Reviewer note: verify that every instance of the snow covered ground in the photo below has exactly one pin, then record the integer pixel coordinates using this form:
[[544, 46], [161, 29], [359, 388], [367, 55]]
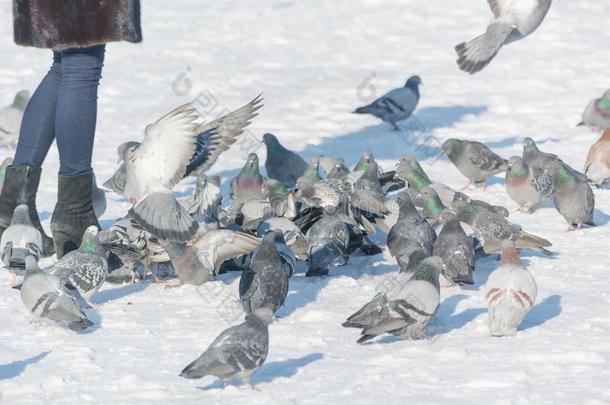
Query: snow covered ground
[[315, 61]]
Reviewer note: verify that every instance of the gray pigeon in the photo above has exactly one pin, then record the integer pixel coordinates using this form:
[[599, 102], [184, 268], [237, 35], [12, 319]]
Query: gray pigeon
[[116, 183], [410, 171], [5, 163], [85, 268], [311, 174], [200, 260], [474, 160], [572, 195], [11, 116], [19, 241], [367, 196], [481, 205], [397, 105], [510, 293], [282, 164], [514, 20], [530, 188], [276, 201], [248, 184], [432, 206], [492, 229], [597, 113], [406, 309], [411, 240], [265, 282], [366, 158], [206, 202], [534, 157], [328, 241], [456, 249], [46, 296], [293, 237], [237, 353]]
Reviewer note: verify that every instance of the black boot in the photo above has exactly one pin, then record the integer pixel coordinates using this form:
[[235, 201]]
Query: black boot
[[20, 187], [73, 213]]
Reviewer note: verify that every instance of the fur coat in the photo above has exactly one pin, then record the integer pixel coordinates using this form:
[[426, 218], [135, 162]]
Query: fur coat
[[62, 24]]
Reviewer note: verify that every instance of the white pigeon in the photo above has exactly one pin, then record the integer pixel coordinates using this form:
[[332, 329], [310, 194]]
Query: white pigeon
[[510, 293], [18, 241], [11, 116], [514, 20]]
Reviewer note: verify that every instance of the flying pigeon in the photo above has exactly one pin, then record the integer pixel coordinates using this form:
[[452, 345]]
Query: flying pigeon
[[493, 228], [597, 113], [237, 353], [397, 105], [514, 20], [597, 165], [406, 309], [265, 282], [46, 296], [474, 160], [5, 163], [85, 268], [328, 240], [11, 116], [510, 293], [20, 240], [572, 195], [529, 187], [282, 164], [456, 249], [411, 240]]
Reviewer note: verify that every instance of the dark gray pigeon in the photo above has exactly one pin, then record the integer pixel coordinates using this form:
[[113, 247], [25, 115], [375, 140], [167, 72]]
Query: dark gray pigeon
[[328, 241], [19, 241], [265, 282], [406, 309], [397, 105], [411, 239], [282, 164], [85, 268], [572, 195], [237, 352], [474, 160], [46, 296], [456, 249]]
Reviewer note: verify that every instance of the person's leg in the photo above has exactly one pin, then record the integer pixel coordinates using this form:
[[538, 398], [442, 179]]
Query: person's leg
[[76, 112], [38, 125], [75, 120]]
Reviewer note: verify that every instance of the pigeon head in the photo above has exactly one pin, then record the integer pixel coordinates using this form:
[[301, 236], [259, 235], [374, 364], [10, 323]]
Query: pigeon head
[[251, 166], [529, 147], [90, 243], [429, 270], [272, 143], [5, 163], [509, 254], [405, 204], [452, 147], [125, 150], [21, 215], [266, 253], [447, 216], [431, 201], [516, 166], [21, 99], [562, 174], [415, 178], [339, 171], [365, 160], [263, 314], [414, 82], [464, 211]]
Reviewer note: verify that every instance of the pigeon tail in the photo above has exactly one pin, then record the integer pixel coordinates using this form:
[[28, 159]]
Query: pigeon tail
[[367, 109]]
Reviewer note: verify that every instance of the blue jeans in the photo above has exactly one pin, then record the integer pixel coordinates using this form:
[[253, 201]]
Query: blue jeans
[[63, 107]]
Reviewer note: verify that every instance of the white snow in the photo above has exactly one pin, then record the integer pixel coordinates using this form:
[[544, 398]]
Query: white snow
[[315, 61]]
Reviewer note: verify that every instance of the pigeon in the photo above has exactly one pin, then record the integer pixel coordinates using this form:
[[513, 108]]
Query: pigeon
[[510, 293], [328, 240], [20, 240], [411, 240], [99, 199], [11, 116], [276, 201], [177, 145], [534, 157], [597, 113], [481, 205], [116, 183], [205, 204], [397, 105], [237, 353], [456, 249], [474, 160], [572, 195], [406, 309], [248, 184], [282, 164], [363, 163], [410, 171], [85, 268], [529, 187], [597, 165], [265, 283], [514, 20], [311, 174], [199, 261], [431, 203], [367, 196], [46, 296], [5, 163], [492, 228], [293, 236]]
